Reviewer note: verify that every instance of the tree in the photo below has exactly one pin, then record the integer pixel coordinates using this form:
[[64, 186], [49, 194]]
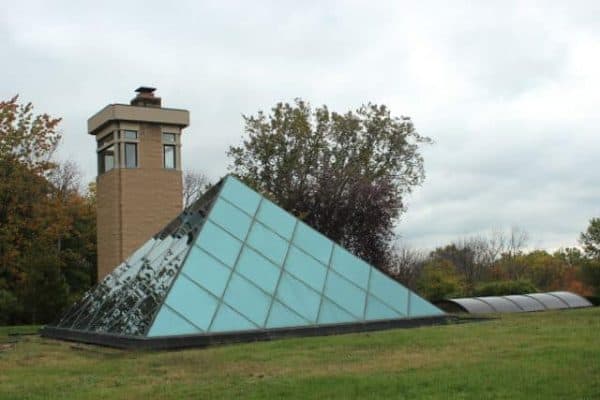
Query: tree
[[465, 255], [47, 227], [25, 217], [44, 292], [590, 271], [27, 138], [510, 262], [65, 178], [439, 281], [27, 142], [407, 265], [545, 271], [343, 174], [194, 184], [590, 239], [504, 288]]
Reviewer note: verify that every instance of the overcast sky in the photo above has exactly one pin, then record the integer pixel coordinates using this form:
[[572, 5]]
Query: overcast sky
[[509, 91]]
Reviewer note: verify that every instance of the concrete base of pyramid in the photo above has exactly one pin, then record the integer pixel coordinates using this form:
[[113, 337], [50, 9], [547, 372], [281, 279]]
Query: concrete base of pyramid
[[204, 340]]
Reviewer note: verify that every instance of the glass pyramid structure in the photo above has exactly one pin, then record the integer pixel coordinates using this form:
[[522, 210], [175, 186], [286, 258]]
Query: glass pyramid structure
[[234, 266]]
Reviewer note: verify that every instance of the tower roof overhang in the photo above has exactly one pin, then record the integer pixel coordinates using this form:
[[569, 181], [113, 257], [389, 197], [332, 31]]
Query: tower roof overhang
[[125, 112]]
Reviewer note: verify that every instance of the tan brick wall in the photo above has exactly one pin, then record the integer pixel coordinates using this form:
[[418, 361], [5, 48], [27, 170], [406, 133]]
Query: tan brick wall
[[108, 222], [134, 204]]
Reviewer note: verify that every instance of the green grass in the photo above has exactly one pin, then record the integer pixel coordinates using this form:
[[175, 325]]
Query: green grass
[[550, 355]]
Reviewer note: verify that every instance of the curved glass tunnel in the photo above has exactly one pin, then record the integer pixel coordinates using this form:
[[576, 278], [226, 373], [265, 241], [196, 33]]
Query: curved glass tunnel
[[514, 303]]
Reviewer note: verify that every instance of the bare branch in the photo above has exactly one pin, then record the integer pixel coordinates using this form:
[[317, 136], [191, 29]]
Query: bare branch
[[194, 184]]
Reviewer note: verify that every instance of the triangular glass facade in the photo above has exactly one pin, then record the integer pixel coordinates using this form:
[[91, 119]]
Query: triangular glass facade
[[234, 262]]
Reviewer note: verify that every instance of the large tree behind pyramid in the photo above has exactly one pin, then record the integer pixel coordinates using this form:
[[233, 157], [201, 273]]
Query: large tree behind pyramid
[[344, 174], [235, 266]]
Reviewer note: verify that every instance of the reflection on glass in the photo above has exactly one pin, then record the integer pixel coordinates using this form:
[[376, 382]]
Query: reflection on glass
[[131, 155], [168, 138], [169, 156], [129, 134], [125, 301], [106, 159]]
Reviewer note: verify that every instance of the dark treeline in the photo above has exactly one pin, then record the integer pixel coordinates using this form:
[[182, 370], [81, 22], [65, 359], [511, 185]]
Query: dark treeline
[[497, 264]]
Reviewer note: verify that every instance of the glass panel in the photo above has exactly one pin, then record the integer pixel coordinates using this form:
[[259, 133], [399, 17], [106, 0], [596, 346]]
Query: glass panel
[[550, 302], [206, 271], [474, 306], [240, 195], [378, 310], [194, 303], [126, 301], [306, 268], [228, 319], [526, 303], [247, 299], [422, 308], [389, 291], [267, 243], [231, 218], [571, 299], [276, 218], [168, 137], [332, 314], [159, 248], [129, 134], [219, 243], [106, 159], [281, 316], [130, 155], [169, 156], [109, 160], [500, 304], [313, 242], [345, 294], [168, 323], [299, 297], [141, 252], [258, 269], [350, 266]]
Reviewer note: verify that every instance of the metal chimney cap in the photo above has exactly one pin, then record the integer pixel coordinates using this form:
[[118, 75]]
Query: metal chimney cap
[[145, 89]]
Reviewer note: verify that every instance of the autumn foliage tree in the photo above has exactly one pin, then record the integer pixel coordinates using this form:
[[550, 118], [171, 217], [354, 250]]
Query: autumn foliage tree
[[344, 174], [27, 143], [47, 228]]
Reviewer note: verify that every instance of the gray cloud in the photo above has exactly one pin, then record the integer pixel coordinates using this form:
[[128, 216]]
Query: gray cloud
[[507, 90]]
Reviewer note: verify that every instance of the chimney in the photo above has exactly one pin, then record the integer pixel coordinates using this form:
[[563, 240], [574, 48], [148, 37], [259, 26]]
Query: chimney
[[145, 98]]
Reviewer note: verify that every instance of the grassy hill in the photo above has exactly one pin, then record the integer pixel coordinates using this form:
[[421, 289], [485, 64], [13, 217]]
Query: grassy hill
[[550, 355]]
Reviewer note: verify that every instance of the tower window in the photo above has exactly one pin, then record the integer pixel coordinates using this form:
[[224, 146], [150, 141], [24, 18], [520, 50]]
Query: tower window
[[168, 138], [131, 155], [128, 134], [169, 156], [106, 159]]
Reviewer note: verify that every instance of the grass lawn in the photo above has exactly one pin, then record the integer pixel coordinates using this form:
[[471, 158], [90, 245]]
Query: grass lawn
[[549, 355]]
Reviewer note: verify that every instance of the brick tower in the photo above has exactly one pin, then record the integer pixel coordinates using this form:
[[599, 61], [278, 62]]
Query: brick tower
[[139, 183]]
